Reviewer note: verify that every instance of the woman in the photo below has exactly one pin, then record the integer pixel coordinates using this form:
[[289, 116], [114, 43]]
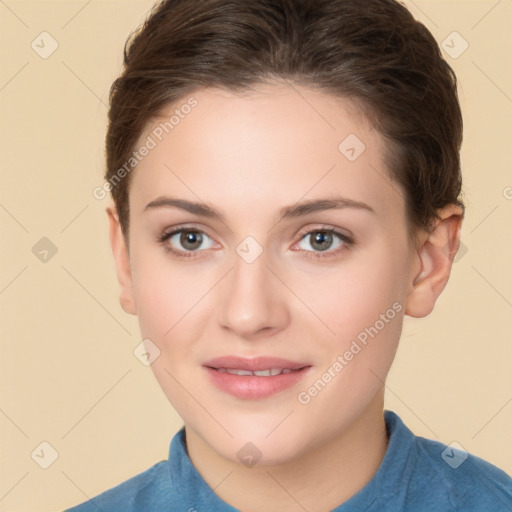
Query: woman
[[286, 185]]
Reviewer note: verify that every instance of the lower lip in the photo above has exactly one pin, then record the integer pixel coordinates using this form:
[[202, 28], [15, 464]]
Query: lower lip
[[250, 387]]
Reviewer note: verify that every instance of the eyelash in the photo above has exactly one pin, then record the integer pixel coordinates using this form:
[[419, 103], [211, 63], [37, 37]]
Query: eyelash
[[347, 243], [313, 255]]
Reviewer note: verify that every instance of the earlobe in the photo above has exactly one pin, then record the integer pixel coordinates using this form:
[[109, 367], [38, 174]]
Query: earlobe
[[122, 262], [435, 257]]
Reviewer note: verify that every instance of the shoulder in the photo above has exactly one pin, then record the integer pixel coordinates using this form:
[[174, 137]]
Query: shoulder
[[422, 475], [466, 482], [149, 490]]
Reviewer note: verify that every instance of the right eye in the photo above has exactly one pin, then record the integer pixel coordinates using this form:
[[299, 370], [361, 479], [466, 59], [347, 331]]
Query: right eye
[[185, 242]]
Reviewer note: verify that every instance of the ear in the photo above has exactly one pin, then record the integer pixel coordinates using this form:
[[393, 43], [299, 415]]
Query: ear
[[122, 261], [436, 252]]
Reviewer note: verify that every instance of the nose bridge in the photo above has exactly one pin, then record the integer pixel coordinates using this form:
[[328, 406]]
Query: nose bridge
[[252, 302]]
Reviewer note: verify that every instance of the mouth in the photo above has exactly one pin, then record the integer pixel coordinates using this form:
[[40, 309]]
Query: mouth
[[269, 372], [254, 378]]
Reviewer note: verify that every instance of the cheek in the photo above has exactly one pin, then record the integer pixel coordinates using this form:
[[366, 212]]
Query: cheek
[[363, 305], [171, 302], [176, 308], [352, 297], [163, 292]]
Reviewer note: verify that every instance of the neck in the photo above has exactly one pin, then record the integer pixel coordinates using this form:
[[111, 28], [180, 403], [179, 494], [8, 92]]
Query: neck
[[317, 481]]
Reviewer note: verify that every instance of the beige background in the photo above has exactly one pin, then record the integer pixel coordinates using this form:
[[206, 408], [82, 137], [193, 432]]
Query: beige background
[[68, 375]]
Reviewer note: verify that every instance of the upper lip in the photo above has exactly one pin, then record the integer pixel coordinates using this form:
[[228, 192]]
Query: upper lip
[[253, 363]]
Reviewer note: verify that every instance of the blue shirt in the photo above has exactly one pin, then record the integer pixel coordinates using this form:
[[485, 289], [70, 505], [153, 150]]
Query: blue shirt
[[416, 475]]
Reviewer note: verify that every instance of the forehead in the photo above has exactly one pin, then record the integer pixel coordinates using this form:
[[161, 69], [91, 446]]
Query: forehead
[[275, 144]]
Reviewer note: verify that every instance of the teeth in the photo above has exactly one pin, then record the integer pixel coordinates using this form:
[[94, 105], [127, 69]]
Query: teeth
[[238, 372], [268, 373], [263, 373], [271, 372]]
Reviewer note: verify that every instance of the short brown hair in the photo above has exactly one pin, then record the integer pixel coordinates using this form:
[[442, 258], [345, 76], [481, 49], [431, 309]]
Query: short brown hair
[[371, 51]]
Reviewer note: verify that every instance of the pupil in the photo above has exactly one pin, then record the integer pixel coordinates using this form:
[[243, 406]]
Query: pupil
[[191, 240], [322, 241]]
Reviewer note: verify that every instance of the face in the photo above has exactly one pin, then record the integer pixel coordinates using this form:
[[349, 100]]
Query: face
[[266, 236]]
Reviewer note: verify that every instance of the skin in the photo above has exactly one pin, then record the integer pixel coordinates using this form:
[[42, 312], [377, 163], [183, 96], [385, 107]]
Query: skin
[[248, 156]]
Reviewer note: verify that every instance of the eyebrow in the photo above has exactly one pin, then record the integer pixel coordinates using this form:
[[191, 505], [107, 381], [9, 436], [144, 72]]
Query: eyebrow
[[288, 212]]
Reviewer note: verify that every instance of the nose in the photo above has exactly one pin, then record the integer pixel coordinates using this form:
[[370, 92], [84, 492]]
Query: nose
[[253, 302]]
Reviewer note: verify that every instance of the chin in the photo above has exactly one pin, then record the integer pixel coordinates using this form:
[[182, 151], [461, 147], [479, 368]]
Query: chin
[[260, 437], [268, 452]]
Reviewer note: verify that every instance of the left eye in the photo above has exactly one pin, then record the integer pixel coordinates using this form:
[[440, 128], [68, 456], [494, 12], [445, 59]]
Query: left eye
[[189, 240], [322, 240]]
